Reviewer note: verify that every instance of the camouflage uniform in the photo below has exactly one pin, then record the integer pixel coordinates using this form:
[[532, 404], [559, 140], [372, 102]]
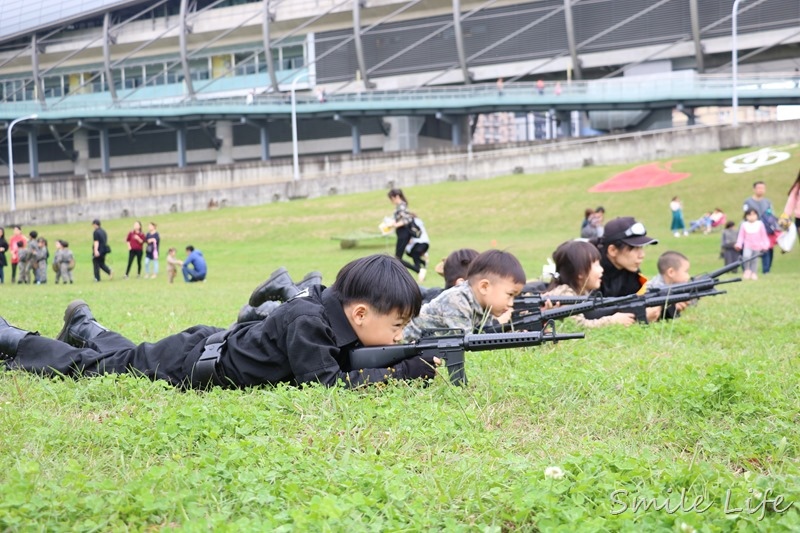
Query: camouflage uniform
[[24, 255], [63, 258], [455, 308], [32, 262], [40, 262]]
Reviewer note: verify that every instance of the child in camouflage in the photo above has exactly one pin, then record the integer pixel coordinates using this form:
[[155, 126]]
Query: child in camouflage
[[494, 279]]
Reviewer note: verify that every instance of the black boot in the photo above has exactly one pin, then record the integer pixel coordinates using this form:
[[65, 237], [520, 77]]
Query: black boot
[[249, 313], [311, 279], [279, 287], [9, 339], [80, 325]]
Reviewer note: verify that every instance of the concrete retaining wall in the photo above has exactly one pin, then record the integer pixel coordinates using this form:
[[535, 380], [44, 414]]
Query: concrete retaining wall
[[141, 194]]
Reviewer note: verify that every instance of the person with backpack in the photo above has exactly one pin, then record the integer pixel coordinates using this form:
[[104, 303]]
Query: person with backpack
[[417, 249], [763, 208], [40, 261], [63, 262], [405, 226]]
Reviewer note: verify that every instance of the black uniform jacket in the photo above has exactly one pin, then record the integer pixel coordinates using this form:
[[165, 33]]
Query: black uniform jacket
[[618, 282], [306, 339]]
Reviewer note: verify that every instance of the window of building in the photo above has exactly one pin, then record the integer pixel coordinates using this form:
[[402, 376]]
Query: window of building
[[53, 86], [199, 68], [134, 77], [154, 74], [293, 57], [245, 64]]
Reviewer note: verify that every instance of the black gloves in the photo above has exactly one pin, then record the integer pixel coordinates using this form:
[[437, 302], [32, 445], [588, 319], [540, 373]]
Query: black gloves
[[417, 367]]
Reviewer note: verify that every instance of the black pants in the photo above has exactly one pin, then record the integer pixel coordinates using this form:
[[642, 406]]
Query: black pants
[[403, 236], [138, 255], [99, 263], [171, 359], [13, 272], [416, 253]]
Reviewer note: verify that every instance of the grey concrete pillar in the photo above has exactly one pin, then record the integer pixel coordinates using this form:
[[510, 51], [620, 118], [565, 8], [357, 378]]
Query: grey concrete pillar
[[180, 135], [33, 152], [105, 150], [264, 133], [224, 132], [80, 143], [564, 121], [403, 133], [355, 131]]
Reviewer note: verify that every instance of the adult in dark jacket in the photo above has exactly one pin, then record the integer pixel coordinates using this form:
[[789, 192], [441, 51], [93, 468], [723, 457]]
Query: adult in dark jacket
[[621, 254], [100, 249]]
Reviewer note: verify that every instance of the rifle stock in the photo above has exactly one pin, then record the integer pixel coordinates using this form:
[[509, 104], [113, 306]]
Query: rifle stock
[[451, 349]]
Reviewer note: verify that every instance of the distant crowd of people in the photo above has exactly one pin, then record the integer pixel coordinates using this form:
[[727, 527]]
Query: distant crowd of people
[[30, 256]]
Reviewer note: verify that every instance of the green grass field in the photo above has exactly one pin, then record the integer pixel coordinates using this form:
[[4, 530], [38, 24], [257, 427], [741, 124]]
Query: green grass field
[[699, 414]]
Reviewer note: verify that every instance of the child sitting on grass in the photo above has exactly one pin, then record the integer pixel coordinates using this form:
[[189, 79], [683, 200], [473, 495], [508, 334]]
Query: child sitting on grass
[[306, 340], [494, 278]]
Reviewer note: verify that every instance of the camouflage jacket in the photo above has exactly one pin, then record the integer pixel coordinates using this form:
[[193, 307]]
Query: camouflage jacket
[[455, 308]]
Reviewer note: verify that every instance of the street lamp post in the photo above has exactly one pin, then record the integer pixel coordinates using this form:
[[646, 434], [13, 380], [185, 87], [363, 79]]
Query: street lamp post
[[11, 194], [735, 64], [295, 157]]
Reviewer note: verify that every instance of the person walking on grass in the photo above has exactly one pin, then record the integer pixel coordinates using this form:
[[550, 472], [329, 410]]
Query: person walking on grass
[[100, 249]]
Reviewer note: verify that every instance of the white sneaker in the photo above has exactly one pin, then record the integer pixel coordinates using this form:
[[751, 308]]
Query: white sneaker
[[677, 233], [422, 273]]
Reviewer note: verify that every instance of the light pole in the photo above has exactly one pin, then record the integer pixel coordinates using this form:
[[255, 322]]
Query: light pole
[[11, 194], [735, 64], [295, 159]]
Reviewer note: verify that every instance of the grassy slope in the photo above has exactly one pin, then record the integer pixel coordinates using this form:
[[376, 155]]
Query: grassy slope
[[707, 404]]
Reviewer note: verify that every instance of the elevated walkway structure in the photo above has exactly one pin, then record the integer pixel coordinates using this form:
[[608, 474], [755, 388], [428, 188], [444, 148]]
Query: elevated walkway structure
[[618, 93], [101, 75]]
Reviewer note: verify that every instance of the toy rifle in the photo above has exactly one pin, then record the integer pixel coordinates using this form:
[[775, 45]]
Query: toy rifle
[[655, 298], [727, 268], [451, 347], [529, 315]]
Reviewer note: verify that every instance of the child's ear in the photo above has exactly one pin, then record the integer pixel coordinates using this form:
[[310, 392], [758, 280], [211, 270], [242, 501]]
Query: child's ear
[[359, 313], [483, 285]]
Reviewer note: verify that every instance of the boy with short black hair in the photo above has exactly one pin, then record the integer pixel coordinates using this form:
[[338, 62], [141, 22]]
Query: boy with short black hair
[[305, 340], [673, 267], [494, 279]]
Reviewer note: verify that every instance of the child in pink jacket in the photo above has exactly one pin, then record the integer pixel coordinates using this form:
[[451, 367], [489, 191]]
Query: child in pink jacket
[[752, 239]]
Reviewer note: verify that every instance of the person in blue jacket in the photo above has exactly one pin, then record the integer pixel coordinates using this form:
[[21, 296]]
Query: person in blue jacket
[[194, 266]]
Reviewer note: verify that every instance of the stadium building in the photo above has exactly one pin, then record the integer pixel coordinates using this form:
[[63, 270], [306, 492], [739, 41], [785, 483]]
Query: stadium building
[[67, 57]]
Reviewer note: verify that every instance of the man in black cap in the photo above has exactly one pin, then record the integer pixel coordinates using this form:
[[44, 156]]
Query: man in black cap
[[99, 250]]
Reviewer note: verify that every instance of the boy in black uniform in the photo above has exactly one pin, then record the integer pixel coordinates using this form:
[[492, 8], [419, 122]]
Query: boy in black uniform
[[304, 340]]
